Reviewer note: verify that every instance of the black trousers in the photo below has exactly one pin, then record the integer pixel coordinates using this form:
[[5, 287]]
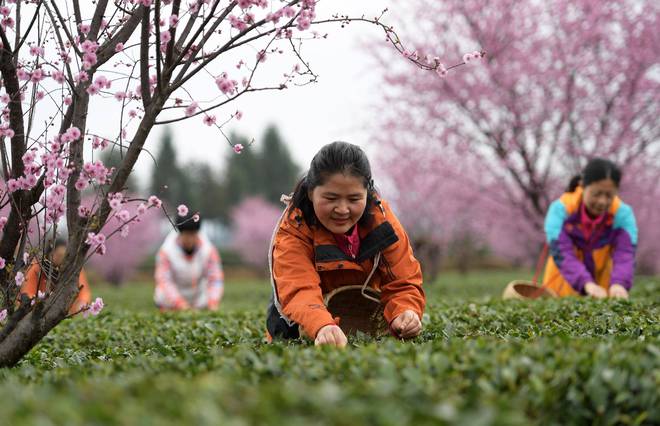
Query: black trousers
[[277, 327]]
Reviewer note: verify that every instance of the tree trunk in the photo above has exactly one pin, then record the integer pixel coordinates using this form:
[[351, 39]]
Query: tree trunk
[[31, 328]]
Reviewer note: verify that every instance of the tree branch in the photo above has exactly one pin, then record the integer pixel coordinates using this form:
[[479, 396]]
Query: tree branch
[[144, 59]]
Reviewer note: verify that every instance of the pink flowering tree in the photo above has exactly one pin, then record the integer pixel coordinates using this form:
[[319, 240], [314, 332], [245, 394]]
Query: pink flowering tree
[[82, 77], [253, 221], [560, 82], [640, 188], [125, 253]]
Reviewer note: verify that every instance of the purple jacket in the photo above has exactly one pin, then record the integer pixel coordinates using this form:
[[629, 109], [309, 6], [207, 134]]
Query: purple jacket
[[607, 257]]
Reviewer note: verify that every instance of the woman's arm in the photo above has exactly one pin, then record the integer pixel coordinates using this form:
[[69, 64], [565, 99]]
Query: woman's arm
[[297, 283], [624, 247], [402, 286], [214, 280], [562, 249]]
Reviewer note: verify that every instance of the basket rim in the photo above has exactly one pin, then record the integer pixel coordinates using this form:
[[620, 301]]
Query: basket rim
[[373, 291], [512, 285]]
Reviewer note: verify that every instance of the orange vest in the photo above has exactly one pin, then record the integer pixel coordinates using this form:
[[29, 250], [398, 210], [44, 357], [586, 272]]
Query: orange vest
[[34, 275]]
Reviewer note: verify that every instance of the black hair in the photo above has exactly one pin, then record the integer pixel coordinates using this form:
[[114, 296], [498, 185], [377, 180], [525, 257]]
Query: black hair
[[336, 157], [596, 169], [187, 223]]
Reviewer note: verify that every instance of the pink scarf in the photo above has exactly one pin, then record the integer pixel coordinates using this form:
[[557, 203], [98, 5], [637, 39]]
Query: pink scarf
[[349, 244], [589, 225]]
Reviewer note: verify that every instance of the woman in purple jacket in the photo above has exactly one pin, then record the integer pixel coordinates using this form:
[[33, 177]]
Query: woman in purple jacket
[[592, 236]]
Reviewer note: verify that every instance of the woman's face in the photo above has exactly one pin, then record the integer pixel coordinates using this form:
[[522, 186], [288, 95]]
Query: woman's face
[[58, 255], [339, 202], [598, 196]]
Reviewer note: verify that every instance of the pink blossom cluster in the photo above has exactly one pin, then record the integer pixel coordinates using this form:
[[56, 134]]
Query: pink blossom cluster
[[53, 200], [240, 24], [470, 57], [89, 49], [246, 4], [96, 242], [19, 279], [191, 109], [99, 143], [7, 22], [31, 174], [92, 171], [155, 202], [115, 199], [36, 50], [225, 84], [287, 11], [165, 38], [5, 130], [101, 82], [94, 308], [307, 15]]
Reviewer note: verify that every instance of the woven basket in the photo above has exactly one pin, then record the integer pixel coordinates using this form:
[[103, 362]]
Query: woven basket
[[357, 313], [526, 290]]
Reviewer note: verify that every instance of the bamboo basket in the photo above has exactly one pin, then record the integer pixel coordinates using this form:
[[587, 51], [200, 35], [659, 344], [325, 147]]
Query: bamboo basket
[[359, 310], [526, 290]]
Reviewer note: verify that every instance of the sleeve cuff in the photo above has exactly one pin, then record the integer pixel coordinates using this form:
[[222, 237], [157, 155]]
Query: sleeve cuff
[[316, 322], [580, 283], [390, 314]]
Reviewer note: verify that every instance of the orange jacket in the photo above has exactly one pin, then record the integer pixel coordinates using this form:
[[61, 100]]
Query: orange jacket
[[30, 288], [307, 264]]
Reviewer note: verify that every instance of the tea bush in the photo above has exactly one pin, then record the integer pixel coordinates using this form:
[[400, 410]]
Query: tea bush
[[479, 361]]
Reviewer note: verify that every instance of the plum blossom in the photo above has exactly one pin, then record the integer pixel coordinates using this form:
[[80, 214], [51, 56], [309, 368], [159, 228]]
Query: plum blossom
[[155, 201], [94, 308], [209, 120]]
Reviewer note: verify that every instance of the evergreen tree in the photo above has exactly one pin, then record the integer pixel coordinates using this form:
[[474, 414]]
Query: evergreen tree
[[167, 180], [277, 170], [268, 172], [242, 176], [205, 194]]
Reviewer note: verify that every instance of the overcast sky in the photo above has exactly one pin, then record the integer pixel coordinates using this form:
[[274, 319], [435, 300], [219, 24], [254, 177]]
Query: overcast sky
[[335, 108]]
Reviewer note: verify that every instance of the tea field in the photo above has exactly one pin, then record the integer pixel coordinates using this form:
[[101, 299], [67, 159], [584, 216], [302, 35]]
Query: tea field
[[479, 361]]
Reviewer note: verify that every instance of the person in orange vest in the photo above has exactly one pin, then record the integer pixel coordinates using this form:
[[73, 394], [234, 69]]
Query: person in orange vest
[[335, 232], [36, 280], [592, 235]]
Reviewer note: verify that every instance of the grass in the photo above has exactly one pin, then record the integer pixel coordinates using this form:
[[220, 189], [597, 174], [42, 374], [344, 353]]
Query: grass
[[480, 361]]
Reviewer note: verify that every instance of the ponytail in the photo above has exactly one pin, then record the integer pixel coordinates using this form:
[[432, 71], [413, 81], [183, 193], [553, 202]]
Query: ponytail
[[300, 199], [574, 183]]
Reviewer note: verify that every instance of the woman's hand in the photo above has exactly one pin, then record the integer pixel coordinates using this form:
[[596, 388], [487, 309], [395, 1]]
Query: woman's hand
[[407, 325], [618, 291], [331, 335], [594, 290]]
